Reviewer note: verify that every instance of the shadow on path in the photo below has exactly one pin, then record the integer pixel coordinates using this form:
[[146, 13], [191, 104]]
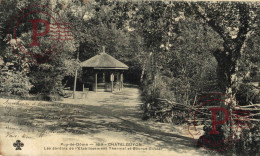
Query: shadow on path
[[119, 113]]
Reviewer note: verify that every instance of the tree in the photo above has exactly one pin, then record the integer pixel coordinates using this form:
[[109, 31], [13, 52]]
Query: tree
[[45, 77], [234, 23]]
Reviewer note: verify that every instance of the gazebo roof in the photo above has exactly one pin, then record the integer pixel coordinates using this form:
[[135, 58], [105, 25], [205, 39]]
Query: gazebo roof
[[104, 61]]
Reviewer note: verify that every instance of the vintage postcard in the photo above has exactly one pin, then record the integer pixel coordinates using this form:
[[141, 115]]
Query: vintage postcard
[[129, 77]]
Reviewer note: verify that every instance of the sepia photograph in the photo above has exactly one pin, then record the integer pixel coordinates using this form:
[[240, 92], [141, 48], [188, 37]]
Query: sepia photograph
[[129, 78]]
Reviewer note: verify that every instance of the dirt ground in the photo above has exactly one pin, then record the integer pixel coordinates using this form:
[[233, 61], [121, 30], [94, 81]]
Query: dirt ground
[[102, 119]]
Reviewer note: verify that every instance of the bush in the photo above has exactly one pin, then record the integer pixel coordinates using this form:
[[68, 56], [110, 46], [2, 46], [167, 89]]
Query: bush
[[16, 83], [247, 93], [249, 143]]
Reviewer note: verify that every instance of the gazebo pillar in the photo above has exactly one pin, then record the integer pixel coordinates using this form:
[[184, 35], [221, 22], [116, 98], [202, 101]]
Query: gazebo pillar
[[104, 77], [112, 80], [118, 80], [83, 81], [122, 80], [96, 81]]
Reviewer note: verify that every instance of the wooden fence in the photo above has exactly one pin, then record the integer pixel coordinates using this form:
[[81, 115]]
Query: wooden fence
[[203, 115]]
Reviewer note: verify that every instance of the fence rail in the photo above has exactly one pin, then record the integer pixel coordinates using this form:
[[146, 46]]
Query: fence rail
[[254, 110]]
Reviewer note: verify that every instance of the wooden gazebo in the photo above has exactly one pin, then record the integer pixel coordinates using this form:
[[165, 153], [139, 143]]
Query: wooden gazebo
[[103, 73]]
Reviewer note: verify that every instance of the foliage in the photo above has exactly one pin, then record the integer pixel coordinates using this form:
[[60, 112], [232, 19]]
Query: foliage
[[45, 77], [249, 142], [247, 94], [16, 83]]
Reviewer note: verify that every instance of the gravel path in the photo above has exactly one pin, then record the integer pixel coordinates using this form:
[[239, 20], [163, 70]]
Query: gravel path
[[111, 119]]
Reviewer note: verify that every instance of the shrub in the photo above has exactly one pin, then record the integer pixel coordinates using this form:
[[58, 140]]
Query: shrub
[[247, 93], [249, 143], [16, 83]]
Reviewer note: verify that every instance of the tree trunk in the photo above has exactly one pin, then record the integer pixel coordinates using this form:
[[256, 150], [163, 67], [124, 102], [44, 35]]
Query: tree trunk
[[228, 84], [142, 74]]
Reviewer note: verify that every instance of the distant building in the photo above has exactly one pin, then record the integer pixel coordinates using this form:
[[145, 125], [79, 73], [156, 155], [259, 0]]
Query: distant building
[[103, 72]]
